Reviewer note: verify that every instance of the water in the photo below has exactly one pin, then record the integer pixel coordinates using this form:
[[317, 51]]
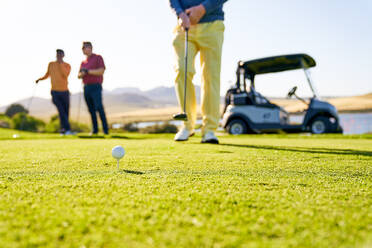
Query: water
[[355, 123]]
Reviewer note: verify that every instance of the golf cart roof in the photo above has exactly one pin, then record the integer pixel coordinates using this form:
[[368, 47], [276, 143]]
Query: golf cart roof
[[277, 64]]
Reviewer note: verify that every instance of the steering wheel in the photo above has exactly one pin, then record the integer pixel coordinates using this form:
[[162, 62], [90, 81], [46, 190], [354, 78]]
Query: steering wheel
[[292, 92]]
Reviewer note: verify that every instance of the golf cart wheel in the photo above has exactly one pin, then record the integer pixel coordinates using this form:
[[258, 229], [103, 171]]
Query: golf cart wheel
[[237, 127], [320, 124]]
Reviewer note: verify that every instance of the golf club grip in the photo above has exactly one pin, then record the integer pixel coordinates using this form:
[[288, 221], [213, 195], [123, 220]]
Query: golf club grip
[[186, 55], [29, 105]]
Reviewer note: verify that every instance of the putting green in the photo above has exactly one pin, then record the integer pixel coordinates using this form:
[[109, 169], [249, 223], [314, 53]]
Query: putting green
[[251, 191]]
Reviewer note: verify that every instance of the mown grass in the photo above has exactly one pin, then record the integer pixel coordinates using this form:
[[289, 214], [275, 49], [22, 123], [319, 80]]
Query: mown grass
[[250, 191]]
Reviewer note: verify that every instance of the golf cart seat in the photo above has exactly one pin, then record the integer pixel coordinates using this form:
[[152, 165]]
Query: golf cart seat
[[259, 100], [247, 98]]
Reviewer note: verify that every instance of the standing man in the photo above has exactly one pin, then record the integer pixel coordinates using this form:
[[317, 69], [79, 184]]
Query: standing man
[[91, 71], [58, 71], [204, 21]]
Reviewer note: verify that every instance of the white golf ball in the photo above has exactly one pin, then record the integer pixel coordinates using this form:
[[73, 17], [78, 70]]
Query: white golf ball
[[118, 152]]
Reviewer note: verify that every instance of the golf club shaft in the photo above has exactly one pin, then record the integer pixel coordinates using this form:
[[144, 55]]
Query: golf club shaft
[[32, 97], [79, 103], [186, 56], [29, 105]]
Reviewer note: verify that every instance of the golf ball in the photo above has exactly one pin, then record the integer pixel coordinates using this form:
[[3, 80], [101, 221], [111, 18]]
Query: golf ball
[[118, 152]]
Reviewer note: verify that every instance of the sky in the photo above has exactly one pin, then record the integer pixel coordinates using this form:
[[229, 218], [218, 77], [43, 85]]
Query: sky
[[135, 40]]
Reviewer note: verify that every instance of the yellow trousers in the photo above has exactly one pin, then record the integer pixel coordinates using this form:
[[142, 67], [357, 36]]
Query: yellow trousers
[[207, 39]]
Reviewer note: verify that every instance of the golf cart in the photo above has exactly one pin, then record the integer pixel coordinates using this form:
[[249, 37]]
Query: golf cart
[[247, 111]]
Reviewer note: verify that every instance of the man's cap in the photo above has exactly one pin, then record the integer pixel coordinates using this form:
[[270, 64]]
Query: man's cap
[[87, 44], [60, 51]]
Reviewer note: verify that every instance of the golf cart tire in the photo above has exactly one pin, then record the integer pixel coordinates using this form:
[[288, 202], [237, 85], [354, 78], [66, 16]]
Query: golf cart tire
[[320, 125], [236, 127]]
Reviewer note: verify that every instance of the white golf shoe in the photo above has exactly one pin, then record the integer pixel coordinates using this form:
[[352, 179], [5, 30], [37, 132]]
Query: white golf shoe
[[210, 138], [183, 135], [69, 133]]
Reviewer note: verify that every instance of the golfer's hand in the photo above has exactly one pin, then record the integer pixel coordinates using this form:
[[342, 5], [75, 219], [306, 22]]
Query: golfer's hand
[[81, 74], [195, 13], [185, 21]]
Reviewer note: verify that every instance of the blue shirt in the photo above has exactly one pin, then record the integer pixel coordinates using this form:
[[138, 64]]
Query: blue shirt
[[213, 8]]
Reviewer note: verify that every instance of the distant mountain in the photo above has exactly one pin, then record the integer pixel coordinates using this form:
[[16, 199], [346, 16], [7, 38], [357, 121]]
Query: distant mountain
[[41, 103], [117, 100], [162, 94], [119, 91], [168, 94], [127, 99]]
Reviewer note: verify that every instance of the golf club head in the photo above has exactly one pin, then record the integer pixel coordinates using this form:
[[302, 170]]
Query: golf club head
[[180, 117]]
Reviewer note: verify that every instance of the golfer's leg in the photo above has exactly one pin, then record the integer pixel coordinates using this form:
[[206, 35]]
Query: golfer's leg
[[99, 107], [92, 110], [179, 47], [65, 97], [211, 40], [59, 105]]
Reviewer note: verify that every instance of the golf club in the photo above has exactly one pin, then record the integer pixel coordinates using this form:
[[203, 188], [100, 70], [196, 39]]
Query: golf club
[[32, 98], [29, 105], [79, 103], [183, 116]]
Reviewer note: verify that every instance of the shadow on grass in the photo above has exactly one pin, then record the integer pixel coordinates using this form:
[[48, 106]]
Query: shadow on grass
[[132, 172], [91, 136], [82, 136], [224, 152], [119, 137], [306, 150]]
